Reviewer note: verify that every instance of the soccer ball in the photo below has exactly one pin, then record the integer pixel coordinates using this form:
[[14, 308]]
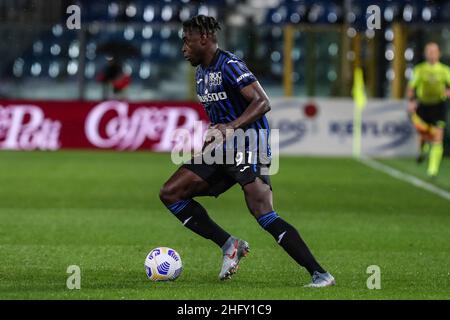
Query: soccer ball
[[163, 264]]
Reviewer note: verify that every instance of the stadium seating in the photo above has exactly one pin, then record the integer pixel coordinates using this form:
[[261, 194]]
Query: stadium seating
[[153, 28]]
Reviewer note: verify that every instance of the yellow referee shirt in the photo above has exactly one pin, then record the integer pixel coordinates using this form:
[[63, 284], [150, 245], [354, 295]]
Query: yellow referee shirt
[[430, 82]]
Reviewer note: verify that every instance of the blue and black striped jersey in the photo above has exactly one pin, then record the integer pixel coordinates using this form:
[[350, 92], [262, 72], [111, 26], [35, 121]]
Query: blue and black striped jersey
[[218, 89]]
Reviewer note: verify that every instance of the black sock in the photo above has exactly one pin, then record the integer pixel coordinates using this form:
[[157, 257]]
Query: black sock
[[289, 238], [195, 217]]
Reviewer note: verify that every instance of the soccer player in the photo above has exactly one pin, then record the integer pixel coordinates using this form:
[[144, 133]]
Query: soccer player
[[233, 99], [427, 92]]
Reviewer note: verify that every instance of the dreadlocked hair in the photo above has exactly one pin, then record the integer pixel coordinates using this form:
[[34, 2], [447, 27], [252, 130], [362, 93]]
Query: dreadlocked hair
[[203, 24]]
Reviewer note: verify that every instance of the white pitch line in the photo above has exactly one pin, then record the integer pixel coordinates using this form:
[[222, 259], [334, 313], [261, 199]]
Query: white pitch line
[[405, 177]]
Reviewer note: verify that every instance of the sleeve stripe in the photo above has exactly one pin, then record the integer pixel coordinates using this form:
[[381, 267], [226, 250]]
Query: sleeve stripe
[[237, 74]]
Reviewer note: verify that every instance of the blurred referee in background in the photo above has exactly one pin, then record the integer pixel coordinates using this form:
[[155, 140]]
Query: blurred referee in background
[[427, 93]]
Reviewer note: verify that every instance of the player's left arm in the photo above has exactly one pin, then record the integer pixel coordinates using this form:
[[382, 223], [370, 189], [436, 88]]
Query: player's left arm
[[259, 104]]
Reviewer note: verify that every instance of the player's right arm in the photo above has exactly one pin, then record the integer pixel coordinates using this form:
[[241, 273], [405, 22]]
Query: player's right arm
[[412, 103], [411, 90]]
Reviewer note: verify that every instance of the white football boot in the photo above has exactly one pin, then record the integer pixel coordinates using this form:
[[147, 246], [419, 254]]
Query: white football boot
[[234, 252], [320, 280]]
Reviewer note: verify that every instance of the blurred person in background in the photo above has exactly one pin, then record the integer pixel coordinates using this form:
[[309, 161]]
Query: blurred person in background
[[427, 92], [113, 77]]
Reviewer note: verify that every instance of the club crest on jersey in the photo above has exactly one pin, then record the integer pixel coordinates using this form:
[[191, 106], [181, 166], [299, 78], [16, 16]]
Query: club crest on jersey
[[215, 78]]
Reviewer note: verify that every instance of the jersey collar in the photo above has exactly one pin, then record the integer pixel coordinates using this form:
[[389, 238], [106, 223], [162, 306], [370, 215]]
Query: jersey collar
[[214, 60]]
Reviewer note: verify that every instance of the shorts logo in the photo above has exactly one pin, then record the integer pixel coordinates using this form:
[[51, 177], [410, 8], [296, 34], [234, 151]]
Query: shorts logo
[[215, 78]]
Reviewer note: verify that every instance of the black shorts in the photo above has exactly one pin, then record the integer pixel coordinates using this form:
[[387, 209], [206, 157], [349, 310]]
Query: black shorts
[[433, 114], [222, 177]]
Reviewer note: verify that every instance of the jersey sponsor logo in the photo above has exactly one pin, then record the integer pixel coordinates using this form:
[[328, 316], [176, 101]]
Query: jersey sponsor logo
[[215, 78], [243, 76], [212, 97]]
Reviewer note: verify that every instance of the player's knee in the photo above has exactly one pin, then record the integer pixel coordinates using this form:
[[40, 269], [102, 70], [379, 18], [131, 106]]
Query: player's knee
[[261, 210], [258, 213], [259, 202], [168, 194], [259, 207]]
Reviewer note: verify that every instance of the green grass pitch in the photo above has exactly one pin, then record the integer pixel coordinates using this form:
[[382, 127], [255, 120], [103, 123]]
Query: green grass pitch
[[100, 211]]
